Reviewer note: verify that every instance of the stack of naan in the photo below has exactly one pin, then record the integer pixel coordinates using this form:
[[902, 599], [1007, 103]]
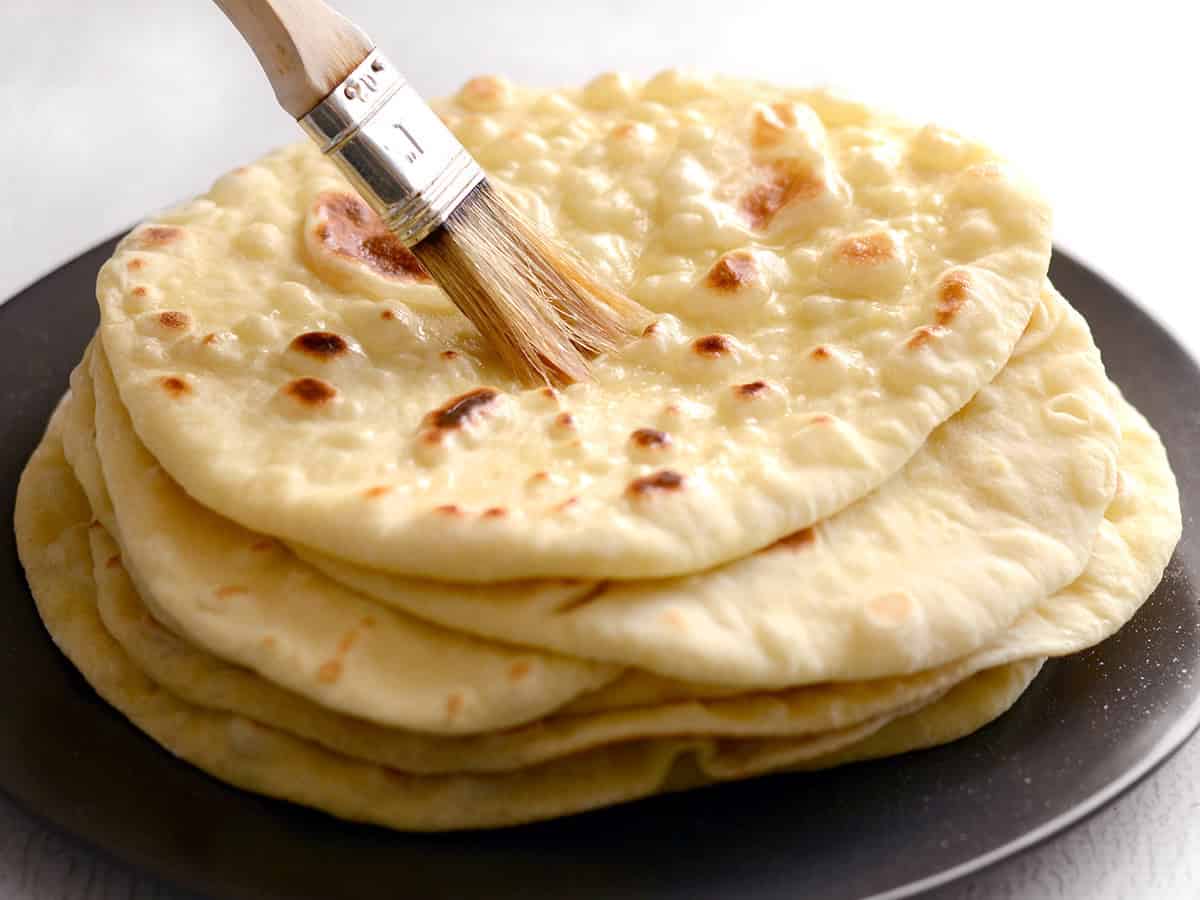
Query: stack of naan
[[860, 475]]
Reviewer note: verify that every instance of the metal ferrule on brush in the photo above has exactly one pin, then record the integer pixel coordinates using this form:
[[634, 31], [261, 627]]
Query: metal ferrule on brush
[[393, 149]]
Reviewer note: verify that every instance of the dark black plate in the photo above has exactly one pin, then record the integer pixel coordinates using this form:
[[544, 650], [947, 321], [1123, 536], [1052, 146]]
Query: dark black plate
[[1087, 729]]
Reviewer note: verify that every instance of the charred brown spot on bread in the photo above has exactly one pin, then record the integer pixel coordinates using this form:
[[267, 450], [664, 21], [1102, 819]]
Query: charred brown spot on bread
[[351, 229], [821, 420], [796, 539], [751, 389], [310, 391], [175, 386], [388, 315], [564, 420], [771, 123], [652, 329], [377, 491], [135, 264], [388, 255], [650, 438], [138, 291], [732, 272], [174, 319], [448, 509], [322, 345], [230, 590], [923, 336], [159, 235], [113, 561], [656, 482], [869, 249], [495, 512], [329, 671], [549, 393], [346, 207], [784, 181], [449, 355], [820, 352], [459, 411], [210, 339], [712, 345], [349, 639], [952, 296], [624, 130], [454, 705], [519, 670]]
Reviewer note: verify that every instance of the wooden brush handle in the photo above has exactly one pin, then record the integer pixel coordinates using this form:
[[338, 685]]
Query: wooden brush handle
[[305, 47]]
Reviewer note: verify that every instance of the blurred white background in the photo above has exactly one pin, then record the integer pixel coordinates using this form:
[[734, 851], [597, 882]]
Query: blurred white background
[[113, 109]]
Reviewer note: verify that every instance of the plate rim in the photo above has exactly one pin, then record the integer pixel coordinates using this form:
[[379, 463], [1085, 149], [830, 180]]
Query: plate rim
[[1176, 737]]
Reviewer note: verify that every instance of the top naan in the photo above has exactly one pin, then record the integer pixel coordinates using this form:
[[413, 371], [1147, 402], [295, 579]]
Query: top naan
[[830, 285]]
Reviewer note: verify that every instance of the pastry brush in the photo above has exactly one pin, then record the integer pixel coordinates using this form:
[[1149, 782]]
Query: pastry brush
[[530, 297]]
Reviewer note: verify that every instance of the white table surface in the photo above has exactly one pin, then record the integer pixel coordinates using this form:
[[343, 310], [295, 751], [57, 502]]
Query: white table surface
[[116, 108]]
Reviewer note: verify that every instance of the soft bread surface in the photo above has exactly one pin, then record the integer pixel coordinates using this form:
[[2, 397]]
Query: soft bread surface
[[53, 523], [1140, 526], [997, 510], [244, 597], [863, 472], [832, 285]]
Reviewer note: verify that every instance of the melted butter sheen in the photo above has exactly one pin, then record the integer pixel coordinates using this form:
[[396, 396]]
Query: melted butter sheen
[[798, 247]]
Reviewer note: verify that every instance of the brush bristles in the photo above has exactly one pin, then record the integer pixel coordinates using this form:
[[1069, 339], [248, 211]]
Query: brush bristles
[[532, 299]]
